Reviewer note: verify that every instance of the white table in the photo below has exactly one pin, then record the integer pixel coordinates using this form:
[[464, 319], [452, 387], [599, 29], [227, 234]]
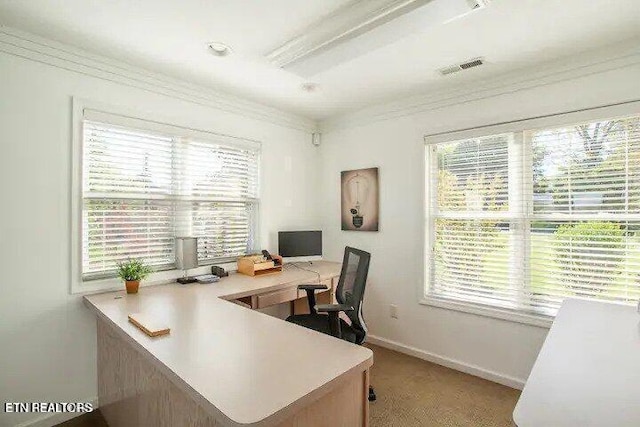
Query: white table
[[588, 371]]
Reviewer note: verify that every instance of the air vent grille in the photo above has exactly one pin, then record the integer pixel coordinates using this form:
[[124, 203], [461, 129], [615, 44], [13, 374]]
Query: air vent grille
[[463, 66], [471, 64]]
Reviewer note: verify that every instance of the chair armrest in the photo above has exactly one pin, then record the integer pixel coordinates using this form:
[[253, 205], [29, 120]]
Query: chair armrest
[[312, 287], [332, 308]]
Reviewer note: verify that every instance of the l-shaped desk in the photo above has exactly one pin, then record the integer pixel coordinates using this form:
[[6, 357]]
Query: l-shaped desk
[[224, 364]]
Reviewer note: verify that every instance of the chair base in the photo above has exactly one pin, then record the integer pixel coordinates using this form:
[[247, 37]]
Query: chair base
[[372, 394]]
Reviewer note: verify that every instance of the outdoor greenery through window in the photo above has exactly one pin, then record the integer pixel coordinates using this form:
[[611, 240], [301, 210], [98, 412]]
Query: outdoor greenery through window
[[523, 220], [141, 189]]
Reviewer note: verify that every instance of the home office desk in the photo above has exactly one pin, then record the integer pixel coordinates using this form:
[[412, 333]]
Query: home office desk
[[224, 364], [588, 371]]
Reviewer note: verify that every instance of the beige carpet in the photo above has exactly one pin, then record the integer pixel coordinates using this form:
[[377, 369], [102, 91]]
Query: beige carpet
[[92, 419], [413, 392]]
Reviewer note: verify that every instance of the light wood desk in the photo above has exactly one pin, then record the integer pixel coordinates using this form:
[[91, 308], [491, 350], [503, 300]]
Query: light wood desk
[[224, 364], [588, 371]]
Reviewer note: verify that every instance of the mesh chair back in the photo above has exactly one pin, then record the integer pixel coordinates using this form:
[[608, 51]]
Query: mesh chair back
[[351, 286]]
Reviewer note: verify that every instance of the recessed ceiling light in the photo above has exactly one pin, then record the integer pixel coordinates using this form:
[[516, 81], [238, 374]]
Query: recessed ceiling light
[[309, 87], [478, 4], [219, 49]]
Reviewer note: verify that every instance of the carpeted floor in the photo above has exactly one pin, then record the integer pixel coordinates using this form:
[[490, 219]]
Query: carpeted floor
[[412, 392], [92, 419]]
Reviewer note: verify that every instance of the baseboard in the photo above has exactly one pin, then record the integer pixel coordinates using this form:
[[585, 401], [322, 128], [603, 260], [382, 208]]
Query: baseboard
[[477, 371], [49, 420]]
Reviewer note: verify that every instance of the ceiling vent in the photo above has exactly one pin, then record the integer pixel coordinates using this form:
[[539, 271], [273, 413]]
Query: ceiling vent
[[463, 66]]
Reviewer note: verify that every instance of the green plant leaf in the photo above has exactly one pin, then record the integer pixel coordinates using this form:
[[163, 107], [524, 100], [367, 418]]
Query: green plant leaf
[[133, 269]]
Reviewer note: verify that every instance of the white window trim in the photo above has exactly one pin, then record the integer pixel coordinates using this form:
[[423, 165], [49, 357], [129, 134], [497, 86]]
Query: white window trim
[[488, 311], [518, 126], [77, 284]]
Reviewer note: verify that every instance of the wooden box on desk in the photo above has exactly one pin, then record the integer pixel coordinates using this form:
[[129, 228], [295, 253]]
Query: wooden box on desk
[[255, 265]]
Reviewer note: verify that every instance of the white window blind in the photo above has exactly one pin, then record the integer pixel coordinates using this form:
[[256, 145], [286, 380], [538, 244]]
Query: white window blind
[[522, 220], [586, 213], [141, 189], [471, 221]]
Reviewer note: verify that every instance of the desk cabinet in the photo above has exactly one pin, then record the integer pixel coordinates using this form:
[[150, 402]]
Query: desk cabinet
[[277, 297], [297, 298]]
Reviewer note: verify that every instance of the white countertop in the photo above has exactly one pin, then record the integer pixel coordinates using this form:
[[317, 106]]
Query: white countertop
[[244, 365], [588, 371]]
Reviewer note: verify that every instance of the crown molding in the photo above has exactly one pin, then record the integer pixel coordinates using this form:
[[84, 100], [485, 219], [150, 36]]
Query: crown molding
[[621, 55], [35, 48]]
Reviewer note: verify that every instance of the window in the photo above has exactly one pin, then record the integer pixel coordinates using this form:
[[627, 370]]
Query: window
[[141, 188], [523, 219]]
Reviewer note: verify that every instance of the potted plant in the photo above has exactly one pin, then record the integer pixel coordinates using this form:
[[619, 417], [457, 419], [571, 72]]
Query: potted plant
[[132, 272]]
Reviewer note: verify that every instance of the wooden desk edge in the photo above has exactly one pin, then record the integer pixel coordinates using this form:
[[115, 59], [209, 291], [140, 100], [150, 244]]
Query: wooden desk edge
[[275, 287]]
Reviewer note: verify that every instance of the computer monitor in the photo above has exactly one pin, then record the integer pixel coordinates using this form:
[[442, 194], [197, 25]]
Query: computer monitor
[[300, 244]]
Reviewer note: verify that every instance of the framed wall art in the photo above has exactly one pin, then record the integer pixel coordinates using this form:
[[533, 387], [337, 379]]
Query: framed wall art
[[360, 200]]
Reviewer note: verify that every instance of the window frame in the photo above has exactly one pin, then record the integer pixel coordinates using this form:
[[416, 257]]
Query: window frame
[[516, 127], [121, 116]]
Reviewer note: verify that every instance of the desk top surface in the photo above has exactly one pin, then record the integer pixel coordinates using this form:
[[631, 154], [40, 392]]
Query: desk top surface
[[588, 371], [246, 364]]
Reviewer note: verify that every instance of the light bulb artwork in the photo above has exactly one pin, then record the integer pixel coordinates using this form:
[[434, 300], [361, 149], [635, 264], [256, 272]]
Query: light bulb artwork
[[358, 193], [360, 200]]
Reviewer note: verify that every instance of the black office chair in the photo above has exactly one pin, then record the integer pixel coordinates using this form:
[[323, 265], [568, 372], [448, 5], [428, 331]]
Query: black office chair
[[349, 293]]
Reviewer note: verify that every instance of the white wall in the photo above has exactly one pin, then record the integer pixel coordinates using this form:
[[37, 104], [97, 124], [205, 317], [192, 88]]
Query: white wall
[[47, 337], [501, 350]]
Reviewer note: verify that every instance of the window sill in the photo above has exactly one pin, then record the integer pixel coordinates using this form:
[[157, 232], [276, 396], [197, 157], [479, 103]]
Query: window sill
[[540, 321], [158, 278]]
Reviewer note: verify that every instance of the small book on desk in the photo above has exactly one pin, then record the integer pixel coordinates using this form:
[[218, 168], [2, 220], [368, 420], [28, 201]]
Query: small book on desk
[[149, 325]]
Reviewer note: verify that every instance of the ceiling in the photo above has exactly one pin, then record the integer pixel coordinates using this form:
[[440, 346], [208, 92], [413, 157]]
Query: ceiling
[[171, 36]]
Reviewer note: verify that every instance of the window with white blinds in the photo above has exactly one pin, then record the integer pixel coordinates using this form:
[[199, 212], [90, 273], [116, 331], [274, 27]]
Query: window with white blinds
[[141, 189], [522, 220]]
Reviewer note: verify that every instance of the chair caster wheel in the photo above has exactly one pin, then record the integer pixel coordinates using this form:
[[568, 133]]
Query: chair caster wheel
[[372, 395]]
